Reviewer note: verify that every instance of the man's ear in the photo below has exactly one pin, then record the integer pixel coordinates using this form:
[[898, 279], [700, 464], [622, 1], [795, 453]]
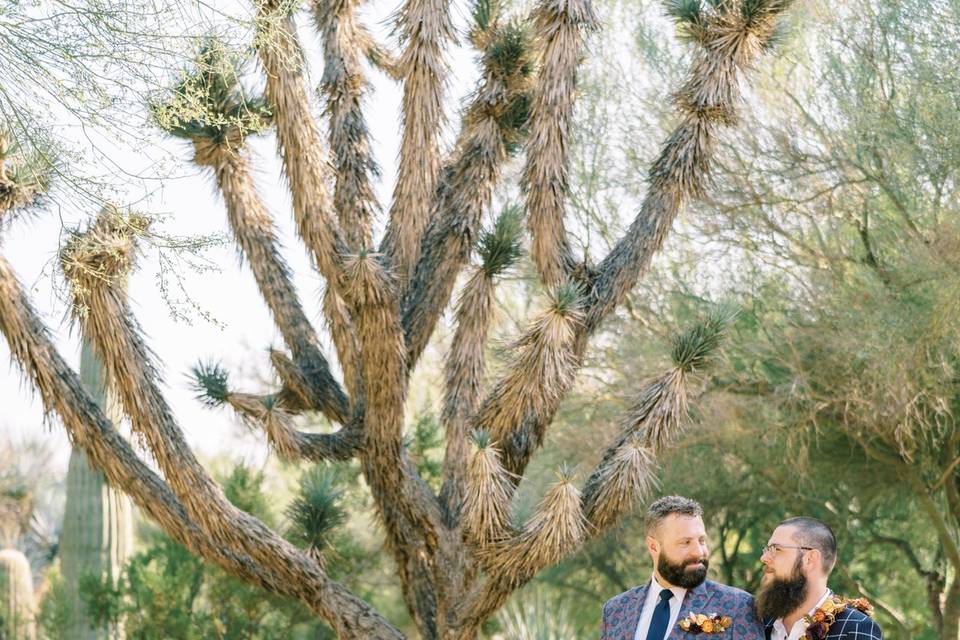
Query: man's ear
[[652, 545], [813, 560]]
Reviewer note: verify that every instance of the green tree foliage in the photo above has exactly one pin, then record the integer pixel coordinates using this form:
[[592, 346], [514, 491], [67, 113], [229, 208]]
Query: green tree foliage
[[166, 592]]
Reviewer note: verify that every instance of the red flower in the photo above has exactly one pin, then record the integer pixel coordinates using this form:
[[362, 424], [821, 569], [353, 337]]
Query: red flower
[[817, 631]]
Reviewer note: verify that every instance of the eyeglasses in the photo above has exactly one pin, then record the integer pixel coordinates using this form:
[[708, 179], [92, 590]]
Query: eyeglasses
[[773, 549]]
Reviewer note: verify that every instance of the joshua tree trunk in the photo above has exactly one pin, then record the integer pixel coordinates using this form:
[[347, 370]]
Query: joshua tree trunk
[[458, 555]]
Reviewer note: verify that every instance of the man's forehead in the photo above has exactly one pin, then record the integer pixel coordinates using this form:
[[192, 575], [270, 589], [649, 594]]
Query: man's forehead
[[680, 522], [782, 535]]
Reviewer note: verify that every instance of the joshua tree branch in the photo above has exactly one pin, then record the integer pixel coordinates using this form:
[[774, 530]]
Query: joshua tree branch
[[303, 156], [492, 124], [464, 369], [730, 41], [91, 262], [344, 85], [560, 27], [410, 513], [555, 529], [541, 371], [426, 29], [308, 375], [62, 393], [268, 412]]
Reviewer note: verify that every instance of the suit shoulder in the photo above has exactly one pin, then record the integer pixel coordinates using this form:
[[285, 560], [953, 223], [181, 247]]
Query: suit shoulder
[[726, 591], [619, 600], [853, 620]]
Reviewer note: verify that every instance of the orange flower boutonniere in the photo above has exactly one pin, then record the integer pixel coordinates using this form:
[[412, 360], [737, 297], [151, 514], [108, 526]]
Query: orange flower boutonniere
[[820, 621], [700, 623]]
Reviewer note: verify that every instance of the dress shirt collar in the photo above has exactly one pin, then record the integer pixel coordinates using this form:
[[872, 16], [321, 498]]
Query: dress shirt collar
[[800, 626]]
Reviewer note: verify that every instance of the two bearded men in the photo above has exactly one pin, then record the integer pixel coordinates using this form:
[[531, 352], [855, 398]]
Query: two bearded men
[[793, 602]]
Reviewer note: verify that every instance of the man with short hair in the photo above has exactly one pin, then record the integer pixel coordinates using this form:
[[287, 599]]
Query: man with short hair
[[660, 609], [794, 601]]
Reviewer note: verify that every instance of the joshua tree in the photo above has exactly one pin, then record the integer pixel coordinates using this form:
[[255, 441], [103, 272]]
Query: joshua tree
[[458, 555]]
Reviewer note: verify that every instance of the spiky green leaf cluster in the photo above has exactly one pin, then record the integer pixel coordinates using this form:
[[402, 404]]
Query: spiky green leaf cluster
[[484, 14], [754, 9], [500, 246], [566, 297], [317, 510], [689, 16], [693, 348], [509, 51], [685, 11], [565, 471], [209, 383], [481, 438], [513, 120], [209, 101]]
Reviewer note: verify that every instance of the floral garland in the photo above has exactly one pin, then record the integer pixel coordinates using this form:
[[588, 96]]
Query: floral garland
[[699, 623], [822, 618]]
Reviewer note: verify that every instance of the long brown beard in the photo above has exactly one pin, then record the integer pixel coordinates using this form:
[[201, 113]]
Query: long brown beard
[[780, 596]]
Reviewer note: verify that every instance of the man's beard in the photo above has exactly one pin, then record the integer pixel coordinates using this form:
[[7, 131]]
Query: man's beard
[[780, 596], [677, 574]]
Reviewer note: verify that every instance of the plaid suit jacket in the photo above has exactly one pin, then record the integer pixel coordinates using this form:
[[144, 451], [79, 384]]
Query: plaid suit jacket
[[622, 613], [850, 624]]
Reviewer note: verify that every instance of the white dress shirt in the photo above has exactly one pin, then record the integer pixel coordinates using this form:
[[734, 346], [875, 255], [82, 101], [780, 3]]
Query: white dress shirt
[[646, 614], [779, 631]]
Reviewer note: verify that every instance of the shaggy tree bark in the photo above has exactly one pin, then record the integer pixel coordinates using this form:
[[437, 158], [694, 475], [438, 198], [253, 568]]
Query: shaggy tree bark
[[458, 554]]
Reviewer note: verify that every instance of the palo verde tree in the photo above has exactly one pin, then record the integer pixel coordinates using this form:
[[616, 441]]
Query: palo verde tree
[[457, 552]]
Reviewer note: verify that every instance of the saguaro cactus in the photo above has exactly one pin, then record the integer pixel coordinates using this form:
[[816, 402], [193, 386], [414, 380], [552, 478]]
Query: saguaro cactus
[[97, 533], [17, 605], [17, 600]]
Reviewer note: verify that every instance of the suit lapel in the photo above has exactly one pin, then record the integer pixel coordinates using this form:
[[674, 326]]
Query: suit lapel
[[695, 601], [629, 630]]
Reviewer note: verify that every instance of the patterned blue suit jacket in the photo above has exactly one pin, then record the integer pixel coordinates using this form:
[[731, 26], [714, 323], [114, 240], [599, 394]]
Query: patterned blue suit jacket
[[622, 613], [850, 624]]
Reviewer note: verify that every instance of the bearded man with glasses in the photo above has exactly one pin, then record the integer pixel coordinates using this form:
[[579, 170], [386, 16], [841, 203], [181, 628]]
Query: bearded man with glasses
[[794, 601]]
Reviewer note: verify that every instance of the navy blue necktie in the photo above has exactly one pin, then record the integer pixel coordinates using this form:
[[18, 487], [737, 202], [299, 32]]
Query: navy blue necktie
[[661, 617]]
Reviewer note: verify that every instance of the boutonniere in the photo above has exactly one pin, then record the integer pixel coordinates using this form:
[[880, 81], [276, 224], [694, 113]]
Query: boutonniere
[[700, 623], [820, 621]]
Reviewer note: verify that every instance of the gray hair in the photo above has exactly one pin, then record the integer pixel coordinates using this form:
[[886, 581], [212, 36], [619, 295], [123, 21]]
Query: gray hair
[[669, 505], [815, 534]]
